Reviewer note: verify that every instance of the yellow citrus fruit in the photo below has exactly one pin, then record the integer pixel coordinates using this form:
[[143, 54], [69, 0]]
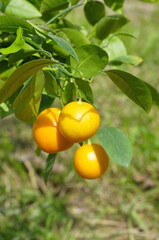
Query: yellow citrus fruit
[[78, 121], [46, 132], [91, 161]]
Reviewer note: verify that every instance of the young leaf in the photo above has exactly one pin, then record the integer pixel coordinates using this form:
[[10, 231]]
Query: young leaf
[[16, 45], [115, 5], [20, 75], [94, 11], [22, 9], [116, 144], [53, 5], [49, 165], [26, 105], [109, 25], [85, 90], [68, 93], [92, 59], [11, 24], [65, 45], [132, 87]]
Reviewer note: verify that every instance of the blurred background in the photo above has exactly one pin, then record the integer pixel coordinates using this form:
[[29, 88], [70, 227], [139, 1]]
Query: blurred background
[[124, 203]]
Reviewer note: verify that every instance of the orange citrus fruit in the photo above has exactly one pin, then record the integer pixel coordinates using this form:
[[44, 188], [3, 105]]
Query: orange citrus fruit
[[78, 121], [46, 132], [91, 161]]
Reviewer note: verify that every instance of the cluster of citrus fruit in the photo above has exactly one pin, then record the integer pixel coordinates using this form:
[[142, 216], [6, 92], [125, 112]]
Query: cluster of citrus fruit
[[56, 130]]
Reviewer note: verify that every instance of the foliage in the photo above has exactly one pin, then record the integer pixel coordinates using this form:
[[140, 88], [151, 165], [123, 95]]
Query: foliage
[[125, 201], [45, 56]]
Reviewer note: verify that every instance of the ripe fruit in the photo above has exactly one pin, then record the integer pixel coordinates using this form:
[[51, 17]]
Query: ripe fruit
[[91, 161], [78, 121], [46, 132]]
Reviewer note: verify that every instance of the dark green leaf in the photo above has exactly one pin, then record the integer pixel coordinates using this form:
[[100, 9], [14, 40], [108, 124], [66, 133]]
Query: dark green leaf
[[20, 75], [51, 86], [116, 144], [53, 5], [85, 90], [132, 87], [22, 54], [68, 93], [65, 45], [154, 94], [109, 25], [26, 105], [11, 24], [49, 165], [46, 102], [94, 11], [5, 71], [22, 9], [115, 5], [16, 45], [5, 110], [92, 59]]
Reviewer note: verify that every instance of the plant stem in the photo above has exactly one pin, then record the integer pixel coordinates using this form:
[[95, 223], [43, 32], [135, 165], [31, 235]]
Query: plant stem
[[63, 12]]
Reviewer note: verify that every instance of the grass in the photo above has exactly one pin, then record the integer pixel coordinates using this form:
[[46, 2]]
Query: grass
[[123, 204]]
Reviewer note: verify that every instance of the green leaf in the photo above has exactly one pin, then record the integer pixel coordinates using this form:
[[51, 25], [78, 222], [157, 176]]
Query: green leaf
[[115, 5], [68, 93], [11, 24], [109, 25], [92, 59], [51, 86], [26, 105], [154, 93], [94, 11], [5, 71], [22, 54], [53, 5], [20, 75], [73, 1], [128, 59], [56, 48], [49, 165], [133, 87], [85, 90], [22, 9], [16, 45], [65, 45], [75, 36], [114, 47], [5, 110], [115, 143]]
